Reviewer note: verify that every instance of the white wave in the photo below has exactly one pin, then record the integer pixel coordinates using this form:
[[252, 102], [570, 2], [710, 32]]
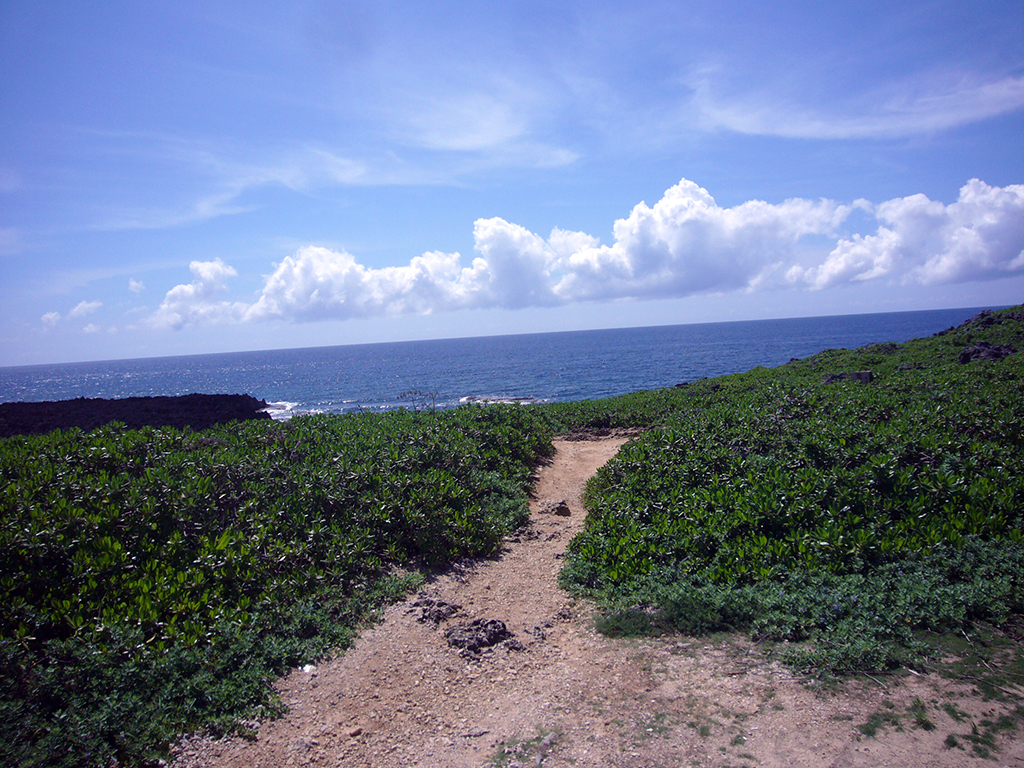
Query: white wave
[[499, 400], [281, 411]]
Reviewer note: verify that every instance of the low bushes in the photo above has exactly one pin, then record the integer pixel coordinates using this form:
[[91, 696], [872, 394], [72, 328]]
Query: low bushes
[[799, 505], [155, 581]]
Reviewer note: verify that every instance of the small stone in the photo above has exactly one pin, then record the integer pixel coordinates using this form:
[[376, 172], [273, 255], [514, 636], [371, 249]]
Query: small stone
[[435, 611], [560, 508], [355, 732], [477, 635]]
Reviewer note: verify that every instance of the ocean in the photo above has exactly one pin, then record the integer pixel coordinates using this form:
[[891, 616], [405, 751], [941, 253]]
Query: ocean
[[540, 367]]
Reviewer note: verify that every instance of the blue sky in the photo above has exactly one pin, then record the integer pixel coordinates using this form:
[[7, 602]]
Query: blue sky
[[220, 176]]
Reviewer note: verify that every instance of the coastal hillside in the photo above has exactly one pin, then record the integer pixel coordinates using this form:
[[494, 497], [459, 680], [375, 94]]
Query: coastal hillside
[[858, 505], [855, 512]]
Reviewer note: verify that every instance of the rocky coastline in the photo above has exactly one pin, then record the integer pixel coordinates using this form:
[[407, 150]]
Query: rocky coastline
[[196, 411]]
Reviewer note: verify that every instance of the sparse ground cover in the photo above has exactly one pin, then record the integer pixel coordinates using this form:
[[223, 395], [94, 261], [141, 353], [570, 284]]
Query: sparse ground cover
[[156, 581]]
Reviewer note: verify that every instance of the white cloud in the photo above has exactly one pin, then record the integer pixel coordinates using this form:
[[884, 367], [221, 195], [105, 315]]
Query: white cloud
[[318, 283], [136, 286], [208, 207], [979, 237], [685, 244], [198, 301], [937, 102], [50, 319], [475, 129], [91, 328], [465, 121], [83, 308]]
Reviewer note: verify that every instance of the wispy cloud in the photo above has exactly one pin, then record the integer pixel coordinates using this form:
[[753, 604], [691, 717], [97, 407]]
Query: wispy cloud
[[157, 217], [921, 105], [468, 121], [227, 177]]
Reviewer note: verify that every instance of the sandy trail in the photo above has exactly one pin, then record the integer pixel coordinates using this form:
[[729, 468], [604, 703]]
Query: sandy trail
[[563, 695]]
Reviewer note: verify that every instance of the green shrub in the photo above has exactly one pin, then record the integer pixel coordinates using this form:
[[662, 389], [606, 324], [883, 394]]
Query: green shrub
[[799, 508], [155, 581]]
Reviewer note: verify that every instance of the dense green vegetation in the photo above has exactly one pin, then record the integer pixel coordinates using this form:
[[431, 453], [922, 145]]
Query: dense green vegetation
[[856, 516], [155, 581]]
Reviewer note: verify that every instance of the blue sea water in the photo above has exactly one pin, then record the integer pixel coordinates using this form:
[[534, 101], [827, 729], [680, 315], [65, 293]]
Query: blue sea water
[[546, 367]]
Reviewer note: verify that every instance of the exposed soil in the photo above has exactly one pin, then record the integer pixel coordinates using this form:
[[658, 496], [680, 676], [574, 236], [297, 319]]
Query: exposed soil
[[527, 681]]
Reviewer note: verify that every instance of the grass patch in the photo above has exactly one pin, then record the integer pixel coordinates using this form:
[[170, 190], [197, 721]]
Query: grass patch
[[954, 712], [983, 735], [878, 721], [990, 658], [525, 751], [920, 714]]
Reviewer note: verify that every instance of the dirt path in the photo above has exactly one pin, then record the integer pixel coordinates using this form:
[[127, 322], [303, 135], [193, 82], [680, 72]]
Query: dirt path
[[559, 694]]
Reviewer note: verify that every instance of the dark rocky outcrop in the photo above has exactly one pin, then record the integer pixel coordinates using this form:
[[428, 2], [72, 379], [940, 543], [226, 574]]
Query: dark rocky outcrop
[[985, 351], [864, 377], [985, 319], [881, 348], [195, 411]]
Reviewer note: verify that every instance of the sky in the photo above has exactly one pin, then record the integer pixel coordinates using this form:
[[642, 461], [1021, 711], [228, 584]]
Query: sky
[[223, 176]]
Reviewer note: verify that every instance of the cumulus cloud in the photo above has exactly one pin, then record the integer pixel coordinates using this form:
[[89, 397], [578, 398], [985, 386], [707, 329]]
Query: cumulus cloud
[[684, 244], [979, 237], [50, 319], [198, 301], [91, 328], [136, 286], [84, 308], [318, 283]]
